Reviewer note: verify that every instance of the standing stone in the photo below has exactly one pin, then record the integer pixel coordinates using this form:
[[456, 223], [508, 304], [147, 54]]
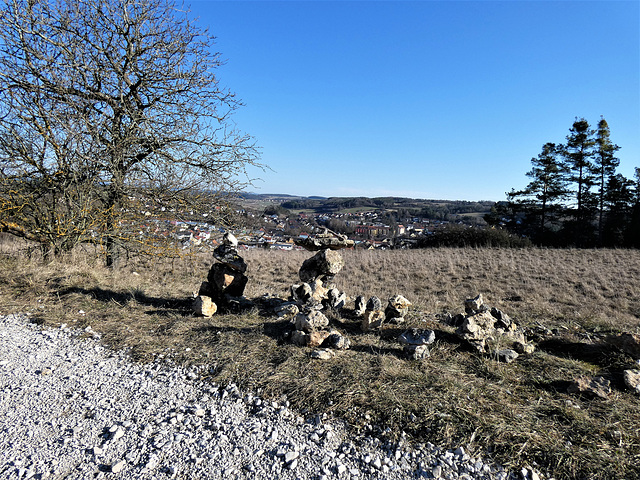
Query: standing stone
[[335, 299], [397, 308], [374, 303]]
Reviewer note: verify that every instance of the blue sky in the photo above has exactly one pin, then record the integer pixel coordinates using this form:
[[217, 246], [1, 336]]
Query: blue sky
[[425, 99]]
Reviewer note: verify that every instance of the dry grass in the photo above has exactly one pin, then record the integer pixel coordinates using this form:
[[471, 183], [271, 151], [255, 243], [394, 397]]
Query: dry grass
[[456, 397]]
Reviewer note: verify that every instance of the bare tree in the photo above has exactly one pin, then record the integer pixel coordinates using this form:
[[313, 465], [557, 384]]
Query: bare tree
[[129, 88]]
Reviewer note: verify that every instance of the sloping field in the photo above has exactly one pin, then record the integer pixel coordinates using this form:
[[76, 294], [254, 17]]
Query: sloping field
[[568, 301]]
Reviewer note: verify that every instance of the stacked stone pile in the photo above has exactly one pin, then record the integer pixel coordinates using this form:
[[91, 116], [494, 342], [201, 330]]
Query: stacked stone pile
[[226, 280], [316, 293], [373, 316], [489, 330]]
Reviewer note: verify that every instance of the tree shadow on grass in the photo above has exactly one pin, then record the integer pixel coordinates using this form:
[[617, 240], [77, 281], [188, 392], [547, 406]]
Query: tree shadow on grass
[[161, 306]]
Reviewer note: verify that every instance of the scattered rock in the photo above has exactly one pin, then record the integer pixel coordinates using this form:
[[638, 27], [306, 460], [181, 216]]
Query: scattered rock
[[287, 309], [323, 354], [593, 387], [632, 380], [416, 336], [335, 300], [374, 303], [203, 306], [474, 305], [118, 467], [315, 339], [506, 355]]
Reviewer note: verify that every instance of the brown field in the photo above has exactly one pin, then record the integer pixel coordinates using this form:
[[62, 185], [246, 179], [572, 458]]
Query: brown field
[[518, 414]]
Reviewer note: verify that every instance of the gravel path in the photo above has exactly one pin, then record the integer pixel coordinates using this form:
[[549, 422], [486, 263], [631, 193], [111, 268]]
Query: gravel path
[[72, 409]]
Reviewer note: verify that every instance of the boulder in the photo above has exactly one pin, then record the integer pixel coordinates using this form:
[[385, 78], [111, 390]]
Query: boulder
[[203, 306], [590, 386], [372, 319], [309, 293], [416, 336], [482, 329], [324, 265], [360, 306], [632, 380], [311, 321]]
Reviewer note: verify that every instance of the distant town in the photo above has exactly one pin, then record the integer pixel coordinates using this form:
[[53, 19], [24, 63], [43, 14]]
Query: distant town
[[275, 221]]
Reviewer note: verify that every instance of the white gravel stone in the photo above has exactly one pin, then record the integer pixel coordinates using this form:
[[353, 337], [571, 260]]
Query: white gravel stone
[[96, 414]]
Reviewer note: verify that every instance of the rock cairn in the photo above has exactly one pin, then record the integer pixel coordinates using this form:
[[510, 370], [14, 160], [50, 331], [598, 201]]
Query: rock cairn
[[226, 280], [373, 316], [316, 293], [416, 343], [490, 330]]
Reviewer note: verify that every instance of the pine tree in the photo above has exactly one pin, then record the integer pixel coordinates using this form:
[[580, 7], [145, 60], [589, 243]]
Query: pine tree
[[542, 198], [578, 153], [604, 168]]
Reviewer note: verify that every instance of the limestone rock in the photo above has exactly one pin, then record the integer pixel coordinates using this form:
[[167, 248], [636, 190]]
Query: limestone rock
[[416, 336], [324, 265], [482, 329], [287, 309], [337, 341], [506, 355], [228, 255], [524, 348], [335, 300], [632, 380], [323, 354], [416, 352], [474, 305], [372, 319], [374, 303], [311, 321], [594, 387], [315, 339], [324, 241], [203, 306], [360, 306], [309, 293]]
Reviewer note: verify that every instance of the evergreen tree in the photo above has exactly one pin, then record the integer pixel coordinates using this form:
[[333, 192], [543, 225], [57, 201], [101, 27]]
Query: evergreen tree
[[541, 200], [618, 201], [604, 168], [578, 153]]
